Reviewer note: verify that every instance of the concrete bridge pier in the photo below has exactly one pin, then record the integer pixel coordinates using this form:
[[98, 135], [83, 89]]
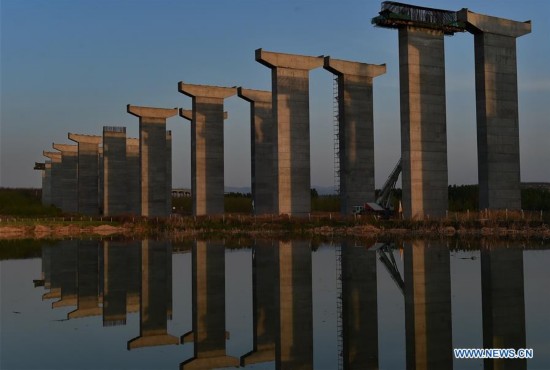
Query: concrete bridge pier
[[134, 175], [207, 161], [153, 150], [69, 177], [291, 149], [497, 108], [261, 134], [115, 173], [45, 169], [355, 129], [56, 195], [88, 173]]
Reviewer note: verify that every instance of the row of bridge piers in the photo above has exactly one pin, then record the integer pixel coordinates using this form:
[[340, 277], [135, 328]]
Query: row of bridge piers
[[78, 180]]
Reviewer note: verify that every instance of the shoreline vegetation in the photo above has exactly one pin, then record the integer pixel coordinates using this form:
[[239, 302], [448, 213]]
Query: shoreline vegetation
[[22, 216]]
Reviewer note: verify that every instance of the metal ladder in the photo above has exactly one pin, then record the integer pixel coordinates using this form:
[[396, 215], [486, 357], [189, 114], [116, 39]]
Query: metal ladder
[[336, 125]]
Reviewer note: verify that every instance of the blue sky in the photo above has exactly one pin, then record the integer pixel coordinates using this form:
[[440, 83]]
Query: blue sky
[[72, 66]]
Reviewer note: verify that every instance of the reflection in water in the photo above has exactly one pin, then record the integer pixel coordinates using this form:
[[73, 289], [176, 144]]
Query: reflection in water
[[428, 306], [113, 278], [208, 335], [88, 290], [264, 313], [118, 260], [503, 303], [156, 295], [293, 297], [359, 308]]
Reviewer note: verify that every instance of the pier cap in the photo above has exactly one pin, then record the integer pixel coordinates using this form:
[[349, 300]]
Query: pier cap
[[65, 148], [81, 138], [151, 112], [253, 96], [206, 91], [52, 155], [292, 61], [478, 23], [344, 67]]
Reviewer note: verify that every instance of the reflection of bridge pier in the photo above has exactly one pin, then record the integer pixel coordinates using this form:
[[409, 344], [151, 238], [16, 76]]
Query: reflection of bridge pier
[[208, 334], [63, 274], [88, 289], [360, 310], [503, 305], [120, 273], [264, 312], [293, 297], [156, 295], [428, 306]]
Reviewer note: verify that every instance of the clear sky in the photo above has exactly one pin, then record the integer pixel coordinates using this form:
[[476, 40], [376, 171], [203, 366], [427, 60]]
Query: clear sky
[[72, 66]]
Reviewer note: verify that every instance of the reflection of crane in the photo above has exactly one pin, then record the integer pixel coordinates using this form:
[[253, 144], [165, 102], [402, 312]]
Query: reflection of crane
[[386, 257], [386, 191]]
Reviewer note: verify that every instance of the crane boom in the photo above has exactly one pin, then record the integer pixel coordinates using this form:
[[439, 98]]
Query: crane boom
[[384, 197]]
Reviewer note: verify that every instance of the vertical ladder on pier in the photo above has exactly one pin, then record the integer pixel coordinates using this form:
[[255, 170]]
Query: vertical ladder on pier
[[339, 325], [336, 128]]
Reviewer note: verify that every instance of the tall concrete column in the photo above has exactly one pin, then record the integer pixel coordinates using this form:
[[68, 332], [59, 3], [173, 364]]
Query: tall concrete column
[[208, 334], [88, 280], [423, 122], [168, 172], [88, 173], [45, 192], [100, 180], [291, 157], [359, 308], [56, 197], [207, 163], [294, 301], [156, 295], [261, 137], [264, 312], [428, 327], [47, 184], [497, 108], [134, 176], [503, 303], [115, 172], [152, 149], [355, 130], [69, 177]]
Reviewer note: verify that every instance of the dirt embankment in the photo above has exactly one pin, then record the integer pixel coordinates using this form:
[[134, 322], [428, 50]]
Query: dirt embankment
[[272, 230], [60, 231]]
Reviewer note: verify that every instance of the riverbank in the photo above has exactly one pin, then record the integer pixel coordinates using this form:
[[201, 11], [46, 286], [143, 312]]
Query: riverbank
[[231, 226]]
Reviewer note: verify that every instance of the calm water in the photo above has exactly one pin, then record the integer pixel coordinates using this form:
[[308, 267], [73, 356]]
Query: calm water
[[285, 304]]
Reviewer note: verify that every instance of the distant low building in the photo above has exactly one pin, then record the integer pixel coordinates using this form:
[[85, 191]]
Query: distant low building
[[181, 193]]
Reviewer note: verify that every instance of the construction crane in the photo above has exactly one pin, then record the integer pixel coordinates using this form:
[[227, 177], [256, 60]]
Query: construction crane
[[382, 207], [389, 186]]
